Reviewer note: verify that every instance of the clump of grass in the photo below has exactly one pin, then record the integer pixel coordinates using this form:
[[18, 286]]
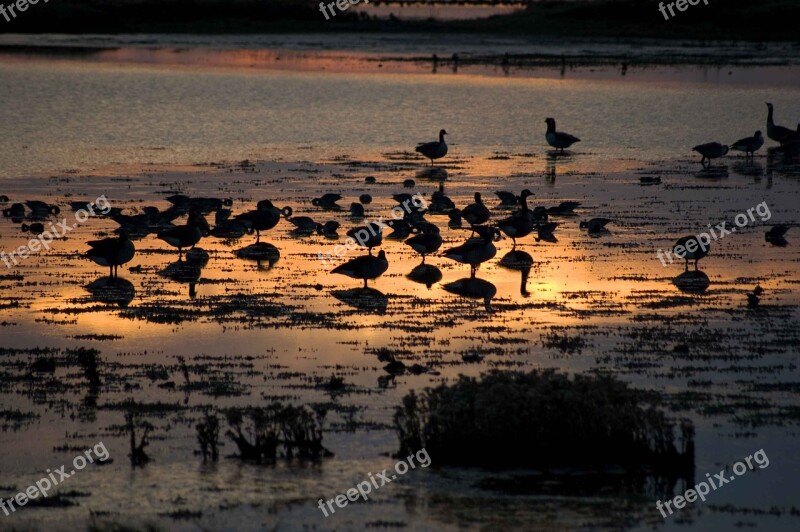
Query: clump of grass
[[543, 419], [277, 430]]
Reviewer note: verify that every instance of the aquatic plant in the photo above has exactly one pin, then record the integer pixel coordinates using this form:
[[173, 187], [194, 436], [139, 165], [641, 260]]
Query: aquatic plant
[[132, 422], [543, 419], [208, 437], [260, 433]]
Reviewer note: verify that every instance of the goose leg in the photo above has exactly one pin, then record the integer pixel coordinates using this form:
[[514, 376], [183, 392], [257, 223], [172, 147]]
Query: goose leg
[[365, 283]]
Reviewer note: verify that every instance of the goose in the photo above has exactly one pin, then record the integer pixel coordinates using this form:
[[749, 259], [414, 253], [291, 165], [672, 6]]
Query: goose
[[476, 213], [475, 250], [777, 235], [433, 150], [37, 228], [595, 225], [329, 229], [545, 232], [440, 203], [519, 224], [565, 208], [305, 225], [710, 150], [17, 210], [779, 133], [696, 255], [749, 145], [400, 229], [558, 139], [356, 210], [538, 214], [429, 241], [368, 236], [40, 209], [409, 183], [474, 288], [112, 252], [327, 201], [366, 199], [507, 199], [224, 227], [365, 267], [3, 198], [265, 217], [183, 236]]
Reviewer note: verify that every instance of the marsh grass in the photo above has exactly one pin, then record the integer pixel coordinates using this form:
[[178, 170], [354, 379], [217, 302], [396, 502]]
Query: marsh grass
[[544, 419]]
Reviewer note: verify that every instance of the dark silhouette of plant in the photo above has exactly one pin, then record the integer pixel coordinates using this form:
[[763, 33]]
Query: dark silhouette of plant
[[208, 437], [132, 422]]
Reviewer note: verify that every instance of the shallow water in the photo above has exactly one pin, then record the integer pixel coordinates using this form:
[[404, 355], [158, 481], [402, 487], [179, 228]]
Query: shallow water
[[138, 132]]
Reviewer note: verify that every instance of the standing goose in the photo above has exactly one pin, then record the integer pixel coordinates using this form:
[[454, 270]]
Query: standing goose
[[710, 150], [558, 139], [519, 224], [749, 145], [475, 250], [265, 217], [688, 255], [476, 213], [779, 133], [429, 241], [183, 236], [368, 236], [433, 150], [365, 267], [112, 252]]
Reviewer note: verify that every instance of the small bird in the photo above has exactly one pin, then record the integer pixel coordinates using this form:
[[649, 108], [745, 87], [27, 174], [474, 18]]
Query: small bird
[[595, 225], [40, 209], [3, 198], [687, 255], [17, 210], [476, 213], [365, 267], [558, 139], [475, 251], [710, 150], [183, 236], [429, 241], [565, 208], [112, 252], [327, 201], [368, 236], [305, 224], [433, 150], [440, 203], [37, 228], [749, 145], [366, 199], [779, 133], [356, 210], [507, 199], [777, 235], [752, 298]]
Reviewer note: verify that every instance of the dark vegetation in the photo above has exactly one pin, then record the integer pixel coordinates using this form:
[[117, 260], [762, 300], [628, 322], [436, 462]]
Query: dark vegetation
[[728, 20], [544, 420]]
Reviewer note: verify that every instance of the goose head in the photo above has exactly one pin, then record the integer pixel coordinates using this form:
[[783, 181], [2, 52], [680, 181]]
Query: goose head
[[442, 132], [478, 198]]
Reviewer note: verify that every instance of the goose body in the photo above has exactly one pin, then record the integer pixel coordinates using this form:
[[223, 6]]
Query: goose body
[[368, 236], [475, 251], [749, 145], [17, 210], [112, 252], [558, 139], [428, 242], [507, 199], [519, 224], [365, 267], [565, 208], [779, 133], [40, 209], [183, 236], [265, 217], [710, 150], [476, 213], [305, 224], [433, 150], [688, 255], [595, 225], [777, 235], [327, 201]]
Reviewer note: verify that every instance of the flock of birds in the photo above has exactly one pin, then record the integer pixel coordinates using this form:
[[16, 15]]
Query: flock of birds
[[419, 234]]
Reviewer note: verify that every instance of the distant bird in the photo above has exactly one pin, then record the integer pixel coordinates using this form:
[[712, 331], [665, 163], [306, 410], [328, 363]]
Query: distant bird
[[183, 236], [368, 236], [327, 201], [365, 267], [710, 150], [440, 203], [565, 208], [17, 210], [545, 232], [752, 298], [366, 199], [3, 198], [749, 145], [779, 133], [305, 224], [476, 213], [475, 251], [329, 229], [429, 241], [595, 225], [777, 235], [687, 254], [507, 199], [433, 150], [37, 228], [112, 252], [356, 210], [224, 227], [647, 180], [558, 139], [40, 209], [264, 218]]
